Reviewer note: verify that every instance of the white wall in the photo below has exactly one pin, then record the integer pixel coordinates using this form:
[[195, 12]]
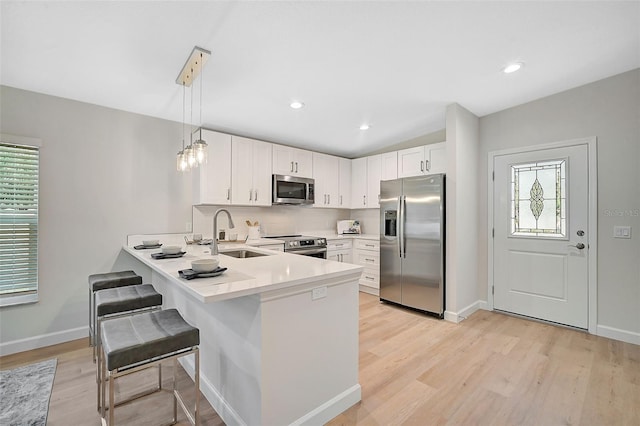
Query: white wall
[[608, 109], [103, 174], [461, 215]]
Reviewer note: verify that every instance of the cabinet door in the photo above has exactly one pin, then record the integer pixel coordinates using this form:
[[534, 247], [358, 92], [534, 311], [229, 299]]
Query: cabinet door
[[242, 170], [359, 183], [374, 175], [212, 181], [283, 163], [437, 158], [303, 163], [389, 166], [262, 152], [344, 190], [411, 162]]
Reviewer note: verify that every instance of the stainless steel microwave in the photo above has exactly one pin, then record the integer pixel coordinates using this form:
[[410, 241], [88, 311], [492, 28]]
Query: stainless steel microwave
[[292, 190]]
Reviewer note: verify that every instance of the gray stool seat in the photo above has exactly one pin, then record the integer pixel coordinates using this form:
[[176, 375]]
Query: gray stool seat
[[113, 279], [129, 298], [130, 340]]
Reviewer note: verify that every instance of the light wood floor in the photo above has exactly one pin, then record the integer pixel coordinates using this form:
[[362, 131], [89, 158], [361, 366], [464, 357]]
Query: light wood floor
[[491, 369]]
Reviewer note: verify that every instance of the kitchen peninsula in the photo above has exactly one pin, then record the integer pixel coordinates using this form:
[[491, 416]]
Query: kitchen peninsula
[[279, 332]]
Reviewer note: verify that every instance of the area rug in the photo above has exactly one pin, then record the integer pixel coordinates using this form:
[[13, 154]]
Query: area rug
[[25, 393]]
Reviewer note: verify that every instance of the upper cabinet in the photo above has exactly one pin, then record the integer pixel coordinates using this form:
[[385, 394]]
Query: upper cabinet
[[389, 165], [250, 172], [374, 175], [292, 161], [359, 183], [422, 160], [212, 181], [332, 177]]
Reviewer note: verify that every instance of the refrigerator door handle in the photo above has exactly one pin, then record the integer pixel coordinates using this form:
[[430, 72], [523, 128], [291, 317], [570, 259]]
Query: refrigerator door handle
[[403, 206], [399, 226]]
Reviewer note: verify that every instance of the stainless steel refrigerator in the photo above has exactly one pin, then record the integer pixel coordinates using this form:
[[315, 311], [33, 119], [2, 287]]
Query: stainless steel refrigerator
[[412, 243]]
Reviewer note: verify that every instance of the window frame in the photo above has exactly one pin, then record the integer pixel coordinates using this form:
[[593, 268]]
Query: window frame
[[19, 299]]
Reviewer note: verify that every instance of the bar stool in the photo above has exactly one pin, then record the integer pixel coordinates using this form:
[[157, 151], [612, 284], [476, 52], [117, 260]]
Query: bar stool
[[116, 302], [101, 282], [136, 342]]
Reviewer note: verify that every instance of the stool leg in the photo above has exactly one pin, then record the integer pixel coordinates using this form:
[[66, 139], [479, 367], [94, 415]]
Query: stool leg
[[112, 398], [196, 379], [99, 374], [175, 397]]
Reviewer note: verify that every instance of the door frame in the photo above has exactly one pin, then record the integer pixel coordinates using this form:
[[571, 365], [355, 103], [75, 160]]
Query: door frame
[[592, 255]]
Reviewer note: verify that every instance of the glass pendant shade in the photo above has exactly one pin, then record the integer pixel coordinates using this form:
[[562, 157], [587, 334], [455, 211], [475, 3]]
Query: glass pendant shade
[[200, 151], [190, 156], [182, 164]]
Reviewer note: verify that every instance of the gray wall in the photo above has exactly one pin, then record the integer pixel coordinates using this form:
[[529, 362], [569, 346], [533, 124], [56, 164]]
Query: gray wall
[[608, 109], [103, 174]]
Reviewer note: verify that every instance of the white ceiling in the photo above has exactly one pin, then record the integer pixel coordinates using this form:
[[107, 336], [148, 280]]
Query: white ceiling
[[395, 65]]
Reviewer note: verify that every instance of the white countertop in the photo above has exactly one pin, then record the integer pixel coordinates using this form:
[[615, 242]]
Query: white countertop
[[244, 276], [334, 236]]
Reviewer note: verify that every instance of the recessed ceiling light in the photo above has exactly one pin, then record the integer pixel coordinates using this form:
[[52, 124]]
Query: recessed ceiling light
[[296, 104], [364, 126], [512, 67]]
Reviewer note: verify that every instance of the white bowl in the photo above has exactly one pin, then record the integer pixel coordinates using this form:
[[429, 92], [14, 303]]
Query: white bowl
[[171, 249], [204, 265], [150, 242]]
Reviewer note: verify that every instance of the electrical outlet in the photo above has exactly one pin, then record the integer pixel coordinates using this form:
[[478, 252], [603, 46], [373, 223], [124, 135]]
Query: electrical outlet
[[318, 293]]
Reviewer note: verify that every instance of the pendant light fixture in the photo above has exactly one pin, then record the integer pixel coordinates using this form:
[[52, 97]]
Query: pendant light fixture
[[196, 152], [200, 146], [181, 163]]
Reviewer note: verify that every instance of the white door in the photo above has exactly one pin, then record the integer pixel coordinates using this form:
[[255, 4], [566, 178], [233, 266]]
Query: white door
[[541, 242]]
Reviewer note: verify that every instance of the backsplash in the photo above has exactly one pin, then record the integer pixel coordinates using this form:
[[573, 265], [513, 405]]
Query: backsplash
[[274, 220], [369, 220]]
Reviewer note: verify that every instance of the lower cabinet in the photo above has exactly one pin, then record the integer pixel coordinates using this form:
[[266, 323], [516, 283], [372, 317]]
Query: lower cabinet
[[340, 250], [367, 254]]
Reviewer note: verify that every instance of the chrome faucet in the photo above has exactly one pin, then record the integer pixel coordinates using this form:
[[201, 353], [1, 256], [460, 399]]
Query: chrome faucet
[[214, 240]]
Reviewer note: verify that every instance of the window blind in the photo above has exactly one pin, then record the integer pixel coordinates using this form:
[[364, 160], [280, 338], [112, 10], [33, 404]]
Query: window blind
[[19, 167]]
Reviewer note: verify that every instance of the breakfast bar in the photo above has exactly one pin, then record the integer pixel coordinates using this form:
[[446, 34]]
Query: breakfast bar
[[279, 332]]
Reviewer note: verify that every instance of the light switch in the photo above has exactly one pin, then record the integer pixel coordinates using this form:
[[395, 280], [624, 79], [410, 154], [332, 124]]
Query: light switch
[[621, 232]]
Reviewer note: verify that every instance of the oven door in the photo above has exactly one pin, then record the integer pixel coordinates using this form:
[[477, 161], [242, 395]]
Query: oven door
[[320, 253]]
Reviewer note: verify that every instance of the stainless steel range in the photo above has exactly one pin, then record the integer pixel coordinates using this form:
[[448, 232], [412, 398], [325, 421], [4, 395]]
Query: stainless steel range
[[304, 245]]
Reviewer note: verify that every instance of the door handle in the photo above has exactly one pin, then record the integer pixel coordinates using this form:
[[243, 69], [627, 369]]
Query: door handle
[[579, 246]]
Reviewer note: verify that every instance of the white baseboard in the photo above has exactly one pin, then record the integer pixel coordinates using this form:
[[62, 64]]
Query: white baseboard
[[464, 313], [30, 343], [618, 334]]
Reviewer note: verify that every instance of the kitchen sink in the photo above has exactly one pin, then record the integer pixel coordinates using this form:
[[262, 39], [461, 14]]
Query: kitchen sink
[[243, 254]]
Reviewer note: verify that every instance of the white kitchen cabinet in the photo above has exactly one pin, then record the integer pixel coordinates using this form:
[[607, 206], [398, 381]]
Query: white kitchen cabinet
[[212, 181], [250, 172], [389, 165], [422, 160], [374, 175], [359, 183], [326, 173], [292, 161], [367, 254], [339, 250], [344, 188]]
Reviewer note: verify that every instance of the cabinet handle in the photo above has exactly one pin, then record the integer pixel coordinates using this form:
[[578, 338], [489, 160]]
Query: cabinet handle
[[340, 258], [369, 245], [428, 165], [250, 195], [228, 193], [421, 165], [328, 198], [339, 245], [364, 200], [292, 167], [341, 200], [369, 260], [369, 278], [296, 167], [256, 195]]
